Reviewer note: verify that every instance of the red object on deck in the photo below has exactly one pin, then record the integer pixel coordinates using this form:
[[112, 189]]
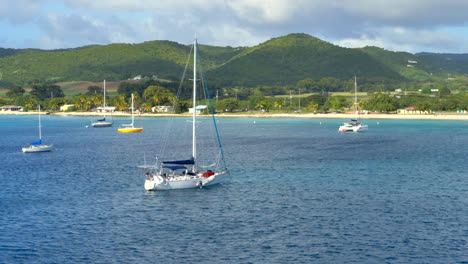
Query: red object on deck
[[208, 174]]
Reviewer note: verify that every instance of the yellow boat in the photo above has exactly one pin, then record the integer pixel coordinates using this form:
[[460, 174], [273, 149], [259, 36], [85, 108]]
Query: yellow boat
[[130, 128]]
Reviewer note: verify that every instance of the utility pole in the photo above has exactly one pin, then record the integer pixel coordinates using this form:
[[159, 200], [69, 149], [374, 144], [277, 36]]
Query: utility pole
[[299, 98], [290, 100]]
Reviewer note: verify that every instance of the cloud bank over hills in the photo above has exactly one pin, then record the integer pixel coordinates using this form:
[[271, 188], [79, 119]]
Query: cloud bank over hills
[[412, 26]]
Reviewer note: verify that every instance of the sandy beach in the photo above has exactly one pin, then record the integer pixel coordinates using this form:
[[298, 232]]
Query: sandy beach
[[441, 116]]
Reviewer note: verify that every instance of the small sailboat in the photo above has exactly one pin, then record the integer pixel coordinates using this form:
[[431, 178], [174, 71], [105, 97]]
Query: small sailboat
[[189, 173], [38, 146], [354, 125], [102, 122], [130, 128]]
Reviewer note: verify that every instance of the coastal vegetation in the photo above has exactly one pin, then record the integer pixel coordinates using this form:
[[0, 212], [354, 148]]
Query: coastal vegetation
[[285, 74], [300, 98]]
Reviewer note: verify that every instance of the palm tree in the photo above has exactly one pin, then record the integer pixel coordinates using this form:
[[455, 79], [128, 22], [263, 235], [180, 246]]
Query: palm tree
[[30, 102], [96, 99], [79, 101], [279, 104], [146, 106], [88, 103], [120, 102]]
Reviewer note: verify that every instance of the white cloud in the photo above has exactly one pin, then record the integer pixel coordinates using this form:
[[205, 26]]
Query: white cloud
[[402, 39], [228, 35], [263, 11], [19, 11], [389, 24]]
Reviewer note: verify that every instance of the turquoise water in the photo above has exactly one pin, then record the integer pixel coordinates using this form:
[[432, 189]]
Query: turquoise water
[[299, 192]]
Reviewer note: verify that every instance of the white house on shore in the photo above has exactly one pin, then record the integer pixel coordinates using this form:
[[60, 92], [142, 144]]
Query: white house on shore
[[199, 109], [11, 108], [162, 109], [105, 109], [411, 110]]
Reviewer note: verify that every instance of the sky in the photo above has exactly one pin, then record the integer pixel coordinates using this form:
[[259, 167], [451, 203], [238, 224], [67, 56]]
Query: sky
[[397, 25]]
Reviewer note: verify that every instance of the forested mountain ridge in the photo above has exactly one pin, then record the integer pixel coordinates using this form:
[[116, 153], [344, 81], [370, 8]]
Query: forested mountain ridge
[[280, 61], [286, 60]]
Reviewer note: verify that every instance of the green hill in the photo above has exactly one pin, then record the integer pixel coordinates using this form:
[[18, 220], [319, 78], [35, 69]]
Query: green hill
[[405, 63], [444, 63], [164, 59], [286, 60], [279, 61]]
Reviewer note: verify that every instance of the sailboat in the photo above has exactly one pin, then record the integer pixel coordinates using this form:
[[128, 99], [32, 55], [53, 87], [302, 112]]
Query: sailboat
[[102, 122], [38, 146], [188, 173], [130, 128], [354, 125]]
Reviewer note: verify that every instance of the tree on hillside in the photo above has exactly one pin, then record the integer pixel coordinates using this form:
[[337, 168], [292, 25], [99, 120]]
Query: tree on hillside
[[30, 102], [317, 99], [424, 106], [96, 100], [120, 102], [264, 105], [230, 104], [182, 106], [15, 91], [94, 90], [329, 84], [128, 88], [55, 91], [79, 101], [444, 91], [308, 85], [158, 95], [279, 104], [55, 103], [44, 91], [338, 102], [256, 97], [381, 102]]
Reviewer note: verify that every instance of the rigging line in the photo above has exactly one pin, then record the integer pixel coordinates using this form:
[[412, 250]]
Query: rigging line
[[212, 113], [170, 123], [185, 71], [206, 97]]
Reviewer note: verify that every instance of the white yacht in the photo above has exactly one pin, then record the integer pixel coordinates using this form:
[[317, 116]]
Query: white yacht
[[189, 173], [38, 146], [354, 125]]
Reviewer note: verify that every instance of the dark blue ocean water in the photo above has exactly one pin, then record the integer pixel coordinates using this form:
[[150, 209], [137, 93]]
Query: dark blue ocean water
[[299, 192]]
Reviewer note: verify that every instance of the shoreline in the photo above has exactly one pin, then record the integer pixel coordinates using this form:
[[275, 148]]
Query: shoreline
[[453, 116]]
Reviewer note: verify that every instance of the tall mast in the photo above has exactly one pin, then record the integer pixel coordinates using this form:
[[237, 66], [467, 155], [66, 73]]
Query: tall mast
[[355, 90], [355, 95], [132, 110], [194, 146], [299, 98], [40, 134], [104, 95]]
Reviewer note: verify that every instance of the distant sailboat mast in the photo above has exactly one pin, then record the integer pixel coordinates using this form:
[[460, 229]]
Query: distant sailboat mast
[[40, 133], [133, 120], [104, 95], [355, 96]]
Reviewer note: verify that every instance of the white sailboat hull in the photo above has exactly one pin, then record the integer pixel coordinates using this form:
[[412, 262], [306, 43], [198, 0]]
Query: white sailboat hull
[[181, 182], [355, 128], [38, 148], [102, 124]]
